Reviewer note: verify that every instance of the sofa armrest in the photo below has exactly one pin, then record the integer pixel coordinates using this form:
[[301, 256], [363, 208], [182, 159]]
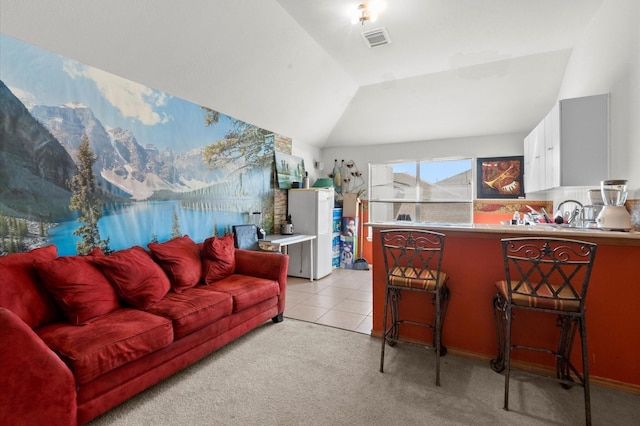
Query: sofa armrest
[[268, 265], [36, 386]]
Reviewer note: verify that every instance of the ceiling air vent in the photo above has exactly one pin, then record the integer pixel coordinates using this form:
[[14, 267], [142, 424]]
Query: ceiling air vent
[[376, 37]]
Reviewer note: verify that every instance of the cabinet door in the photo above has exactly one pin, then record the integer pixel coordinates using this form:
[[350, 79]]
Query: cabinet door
[[529, 180], [584, 139], [552, 148], [534, 145]]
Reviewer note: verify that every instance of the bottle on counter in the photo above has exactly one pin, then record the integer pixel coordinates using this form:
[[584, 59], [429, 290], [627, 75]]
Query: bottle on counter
[[516, 218], [337, 177]]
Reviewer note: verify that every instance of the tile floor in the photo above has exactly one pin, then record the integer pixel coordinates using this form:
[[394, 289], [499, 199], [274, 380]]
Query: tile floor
[[342, 299]]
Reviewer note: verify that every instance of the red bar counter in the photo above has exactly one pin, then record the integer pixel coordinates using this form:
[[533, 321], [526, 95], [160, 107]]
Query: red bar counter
[[473, 260]]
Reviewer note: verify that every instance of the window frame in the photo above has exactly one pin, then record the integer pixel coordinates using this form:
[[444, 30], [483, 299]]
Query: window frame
[[418, 205]]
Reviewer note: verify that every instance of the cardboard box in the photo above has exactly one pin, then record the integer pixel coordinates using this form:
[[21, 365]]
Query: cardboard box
[[350, 204], [349, 227], [348, 249]]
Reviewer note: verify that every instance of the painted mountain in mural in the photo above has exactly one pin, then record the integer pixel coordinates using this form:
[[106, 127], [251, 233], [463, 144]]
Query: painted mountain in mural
[[34, 167], [69, 122], [137, 171]]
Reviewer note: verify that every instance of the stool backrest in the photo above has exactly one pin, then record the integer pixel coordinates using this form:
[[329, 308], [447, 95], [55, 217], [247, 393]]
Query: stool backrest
[[411, 254], [551, 273]]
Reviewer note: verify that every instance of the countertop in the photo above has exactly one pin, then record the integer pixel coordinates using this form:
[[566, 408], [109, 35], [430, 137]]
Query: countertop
[[546, 229]]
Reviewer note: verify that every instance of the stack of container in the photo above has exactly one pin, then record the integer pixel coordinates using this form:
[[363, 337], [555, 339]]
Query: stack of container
[[349, 231], [336, 246]]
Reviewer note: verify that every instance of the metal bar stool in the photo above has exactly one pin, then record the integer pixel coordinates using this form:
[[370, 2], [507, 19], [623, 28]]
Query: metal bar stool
[[412, 261], [546, 275]]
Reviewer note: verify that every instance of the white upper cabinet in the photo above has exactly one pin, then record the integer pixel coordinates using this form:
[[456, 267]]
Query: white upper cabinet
[[570, 147], [534, 160]]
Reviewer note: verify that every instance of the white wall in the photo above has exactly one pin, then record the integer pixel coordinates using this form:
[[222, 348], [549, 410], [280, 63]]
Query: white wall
[[606, 60], [480, 146]]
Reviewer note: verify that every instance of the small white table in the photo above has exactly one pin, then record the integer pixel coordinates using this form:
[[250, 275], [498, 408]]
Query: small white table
[[287, 240]]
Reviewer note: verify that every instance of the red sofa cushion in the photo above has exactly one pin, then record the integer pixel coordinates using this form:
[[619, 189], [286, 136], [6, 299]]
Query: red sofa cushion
[[138, 280], [107, 342], [193, 309], [218, 258], [80, 289], [180, 260], [245, 290], [21, 290]]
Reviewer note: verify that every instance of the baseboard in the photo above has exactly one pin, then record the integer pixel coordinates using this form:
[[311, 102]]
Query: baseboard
[[529, 367]]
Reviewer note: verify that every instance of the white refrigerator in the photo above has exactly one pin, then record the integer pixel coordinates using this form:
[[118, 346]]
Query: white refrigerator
[[311, 213]]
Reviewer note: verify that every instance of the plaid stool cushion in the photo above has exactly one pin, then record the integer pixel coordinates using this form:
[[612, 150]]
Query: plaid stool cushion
[[543, 298], [403, 276]]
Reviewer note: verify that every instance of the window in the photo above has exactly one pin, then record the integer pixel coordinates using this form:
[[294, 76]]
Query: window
[[421, 191]]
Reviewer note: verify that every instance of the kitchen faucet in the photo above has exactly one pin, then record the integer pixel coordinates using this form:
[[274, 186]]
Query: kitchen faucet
[[569, 217]]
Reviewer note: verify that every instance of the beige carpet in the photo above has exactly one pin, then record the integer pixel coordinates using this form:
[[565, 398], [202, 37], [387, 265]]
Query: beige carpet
[[298, 373]]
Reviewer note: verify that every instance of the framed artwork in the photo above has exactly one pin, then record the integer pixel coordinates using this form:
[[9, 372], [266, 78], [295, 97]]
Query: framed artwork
[[501, 177], [289, 168]]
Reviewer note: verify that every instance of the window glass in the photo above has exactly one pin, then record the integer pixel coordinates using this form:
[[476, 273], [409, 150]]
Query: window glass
[[424, 191]]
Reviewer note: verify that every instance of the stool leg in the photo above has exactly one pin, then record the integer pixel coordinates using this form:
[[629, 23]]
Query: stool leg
[[497, 364], [437, 336], [585, 371], [390, 335], [394, 328], [568, 327], [507, 356], [384, 328], [444, 303]]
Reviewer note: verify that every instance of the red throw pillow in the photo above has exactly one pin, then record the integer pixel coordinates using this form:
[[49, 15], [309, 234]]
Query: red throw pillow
[[218, 258], [138, 280], [80, 289], [21, 290], [180, 259]]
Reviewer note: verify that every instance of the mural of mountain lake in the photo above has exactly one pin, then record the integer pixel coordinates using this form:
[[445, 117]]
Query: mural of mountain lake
[[135, 224]]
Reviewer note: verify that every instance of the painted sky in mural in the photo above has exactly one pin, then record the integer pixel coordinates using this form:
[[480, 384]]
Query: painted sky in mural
[[153, 116], [151, 149]]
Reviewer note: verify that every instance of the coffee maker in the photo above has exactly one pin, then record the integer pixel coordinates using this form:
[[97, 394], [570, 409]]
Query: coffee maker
[[614, 215], [591, 211]]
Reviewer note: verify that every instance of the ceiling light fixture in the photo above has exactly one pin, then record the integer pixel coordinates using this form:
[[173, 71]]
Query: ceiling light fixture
[[365, 13]]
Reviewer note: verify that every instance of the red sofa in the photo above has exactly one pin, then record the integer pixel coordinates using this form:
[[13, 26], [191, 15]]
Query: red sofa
[[81, 334]]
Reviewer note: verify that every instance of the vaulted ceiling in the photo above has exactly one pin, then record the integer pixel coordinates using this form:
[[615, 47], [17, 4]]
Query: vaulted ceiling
[[454, 68]]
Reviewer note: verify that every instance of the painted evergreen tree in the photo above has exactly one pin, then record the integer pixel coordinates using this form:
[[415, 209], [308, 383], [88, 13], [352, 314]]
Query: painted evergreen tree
[[244, 141], [175, 226], [85, 199]]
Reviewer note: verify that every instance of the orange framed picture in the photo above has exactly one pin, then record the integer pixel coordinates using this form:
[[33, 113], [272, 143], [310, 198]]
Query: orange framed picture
[[500, 177]]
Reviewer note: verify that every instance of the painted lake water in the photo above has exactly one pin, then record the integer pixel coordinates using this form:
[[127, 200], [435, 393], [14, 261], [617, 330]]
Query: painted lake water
[[137, 223]]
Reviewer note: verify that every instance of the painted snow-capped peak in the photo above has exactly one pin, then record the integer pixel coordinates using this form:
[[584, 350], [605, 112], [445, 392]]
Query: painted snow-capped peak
[[75, 105]]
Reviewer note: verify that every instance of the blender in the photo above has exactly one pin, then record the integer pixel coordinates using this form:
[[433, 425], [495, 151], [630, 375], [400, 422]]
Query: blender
[[614, 215]]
